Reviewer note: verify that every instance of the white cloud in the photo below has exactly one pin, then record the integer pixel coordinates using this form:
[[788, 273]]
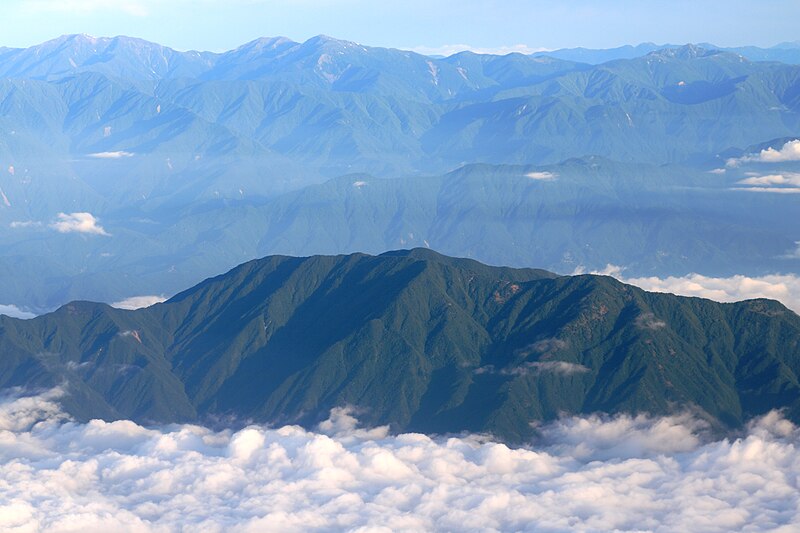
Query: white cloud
[[78, 223], [773, 190], [542, 176], [785, 183], [559, 367], [789, 152], [563, 368], [15, 312], [773, 179], [649, 321], [593, 474], [130, 7], [782, 287], [450, 49], [138, 302], [717, 171], [17, 224], [111, 155]]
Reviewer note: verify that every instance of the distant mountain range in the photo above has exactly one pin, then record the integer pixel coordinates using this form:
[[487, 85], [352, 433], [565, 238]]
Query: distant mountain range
[[413, 339], [129, 168], [788, 52], [326, 107], [584, 213]]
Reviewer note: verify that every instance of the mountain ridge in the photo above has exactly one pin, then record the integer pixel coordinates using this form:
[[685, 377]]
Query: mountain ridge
[[426, 342]]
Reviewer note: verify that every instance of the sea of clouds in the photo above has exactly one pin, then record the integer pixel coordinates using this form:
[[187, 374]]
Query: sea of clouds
[[590, 474]]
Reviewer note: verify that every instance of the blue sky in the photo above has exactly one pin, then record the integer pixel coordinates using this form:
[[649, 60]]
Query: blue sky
[[425, 25]]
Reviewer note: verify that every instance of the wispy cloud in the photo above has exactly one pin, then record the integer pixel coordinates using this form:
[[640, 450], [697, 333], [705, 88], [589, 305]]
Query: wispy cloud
[[793, 254], [789, 178], [783, 183], [542, 176], [594, 473], [18, 224], [649, 321], [78, 223], [563, 368], [111, 155], [770, 190]]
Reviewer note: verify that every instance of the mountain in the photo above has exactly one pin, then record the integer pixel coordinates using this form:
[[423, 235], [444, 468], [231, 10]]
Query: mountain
[[596, 56], [333, 107], [251, 147], [118, 57], [413, 339], [784, 52], [583, 213]]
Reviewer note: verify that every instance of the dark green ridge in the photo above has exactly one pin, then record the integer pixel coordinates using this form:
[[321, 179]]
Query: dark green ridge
[[413, 339]]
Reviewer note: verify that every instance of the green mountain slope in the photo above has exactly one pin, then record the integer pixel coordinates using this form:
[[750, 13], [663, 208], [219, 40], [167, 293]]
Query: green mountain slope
[[413, 339]]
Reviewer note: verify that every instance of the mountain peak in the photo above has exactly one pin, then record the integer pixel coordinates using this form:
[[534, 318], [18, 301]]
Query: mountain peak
[[329, 42], [685, 52], [266, 43]]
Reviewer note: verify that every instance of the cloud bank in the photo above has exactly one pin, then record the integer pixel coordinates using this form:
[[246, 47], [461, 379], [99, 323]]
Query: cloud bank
[[78, 223], [782, 287], [592, 474]]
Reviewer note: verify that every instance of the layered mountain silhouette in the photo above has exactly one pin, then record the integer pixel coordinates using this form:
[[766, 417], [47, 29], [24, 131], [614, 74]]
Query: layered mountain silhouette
[[336, 106], [193, 162], [413, 339], [582, 214]]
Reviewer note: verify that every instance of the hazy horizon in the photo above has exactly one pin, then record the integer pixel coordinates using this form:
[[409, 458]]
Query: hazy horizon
[[415, 25]]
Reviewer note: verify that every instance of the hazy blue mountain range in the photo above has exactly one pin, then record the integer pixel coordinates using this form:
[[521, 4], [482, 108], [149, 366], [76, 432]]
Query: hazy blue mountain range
[[333, 106], [189, 163], [416, 340], [656, 221], [783, 53]]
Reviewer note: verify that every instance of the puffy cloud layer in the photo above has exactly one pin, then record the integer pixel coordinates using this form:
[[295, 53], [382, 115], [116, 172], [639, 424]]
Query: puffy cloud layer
[[78, 223], [788, 152], [592, 474], [138, 302], [782, 287]]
